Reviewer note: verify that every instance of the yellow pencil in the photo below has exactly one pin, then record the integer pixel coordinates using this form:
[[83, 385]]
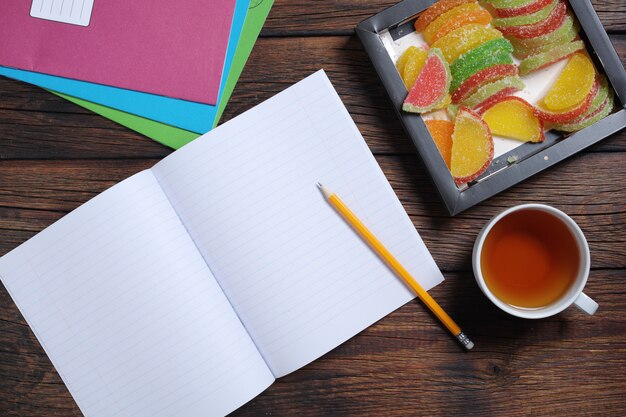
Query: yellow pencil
[[395, 266]]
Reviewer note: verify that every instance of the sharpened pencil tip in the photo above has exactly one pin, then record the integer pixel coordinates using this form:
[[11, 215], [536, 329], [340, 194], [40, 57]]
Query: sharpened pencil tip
[[319, 185]]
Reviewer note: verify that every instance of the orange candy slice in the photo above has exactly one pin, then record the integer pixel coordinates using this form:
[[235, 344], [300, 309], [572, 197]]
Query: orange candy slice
[[410, 64], [461, 40], [573, 85], [430, 14], [472, 147], [482, 17], [444, 18], [441, 131], [514, 118]]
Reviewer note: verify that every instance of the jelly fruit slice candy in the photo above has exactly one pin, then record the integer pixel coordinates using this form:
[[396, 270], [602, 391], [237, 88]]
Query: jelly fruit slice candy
[[515, 118], [526, 19], [482, 77], [601, 107], [526, 7], [567, 30], [441, 131], [570, 114], [496, 51], [535, 62], [509, 85], [430, 14], [550, 24], [410, 64], [573, 85], [482, 17], [430, 90], [472, 147], [440, 21], [465, 38]]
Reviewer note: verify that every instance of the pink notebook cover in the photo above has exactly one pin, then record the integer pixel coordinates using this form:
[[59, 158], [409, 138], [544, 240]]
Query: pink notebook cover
[[173, 48]]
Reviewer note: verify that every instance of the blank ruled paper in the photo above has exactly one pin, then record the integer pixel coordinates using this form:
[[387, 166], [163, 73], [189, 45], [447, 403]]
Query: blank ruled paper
[[300, 279], [75, 12], [128, 312]]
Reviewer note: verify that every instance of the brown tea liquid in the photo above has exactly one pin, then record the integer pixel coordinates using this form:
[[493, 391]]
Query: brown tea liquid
[[529, 259]]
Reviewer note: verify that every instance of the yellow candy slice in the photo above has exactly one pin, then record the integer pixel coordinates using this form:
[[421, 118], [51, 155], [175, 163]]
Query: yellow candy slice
[[472, 147], [573, 85], [410, 64], [514, 118], [463, 39], [437, 24]]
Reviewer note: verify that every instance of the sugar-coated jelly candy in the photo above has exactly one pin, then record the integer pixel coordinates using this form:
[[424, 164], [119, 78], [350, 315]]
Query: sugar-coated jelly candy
[[441, 131], [573, 85], [442, 19], [567, 29], [571, 113], [493, 52], [482, 77], [482, 17], [472, 147], [601, 107], [535, 62], [526, 19], [548, 25], [527, 7], [430, 90], [515, 118], [410, 64], [465, 38], [430, 14], [509, 84]]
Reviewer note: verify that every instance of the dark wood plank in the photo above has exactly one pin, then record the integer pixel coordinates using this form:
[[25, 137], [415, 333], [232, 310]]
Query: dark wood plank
[[407, 364], [35, 124], [296, 17], [588, 187]]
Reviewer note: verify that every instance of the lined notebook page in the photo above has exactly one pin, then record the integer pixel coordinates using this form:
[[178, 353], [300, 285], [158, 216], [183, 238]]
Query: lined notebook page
[[128, 312], [300, 279]]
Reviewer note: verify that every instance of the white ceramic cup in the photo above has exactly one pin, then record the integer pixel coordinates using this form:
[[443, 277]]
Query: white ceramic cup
[[574, 294]]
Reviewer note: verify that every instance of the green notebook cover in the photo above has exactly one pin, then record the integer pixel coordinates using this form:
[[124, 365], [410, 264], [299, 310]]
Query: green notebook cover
[[173, 136]]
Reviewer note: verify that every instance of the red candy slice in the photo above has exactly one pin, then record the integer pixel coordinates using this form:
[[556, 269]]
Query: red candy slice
[[571, 114], [505, 92], [550, 24], [518, 11], [431, 87], [482, 77]]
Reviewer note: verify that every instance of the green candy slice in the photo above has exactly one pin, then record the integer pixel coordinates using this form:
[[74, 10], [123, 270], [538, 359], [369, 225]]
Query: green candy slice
[[495, 52], [521, 52], [566, 29], [535, 62], [487, 90], [527, 19], [508, 4]]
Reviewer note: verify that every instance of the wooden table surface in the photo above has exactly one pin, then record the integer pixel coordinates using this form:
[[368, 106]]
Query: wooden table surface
[[54, 156]]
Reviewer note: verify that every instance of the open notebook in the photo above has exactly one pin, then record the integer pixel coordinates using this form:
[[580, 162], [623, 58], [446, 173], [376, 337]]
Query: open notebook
[[188, 288]]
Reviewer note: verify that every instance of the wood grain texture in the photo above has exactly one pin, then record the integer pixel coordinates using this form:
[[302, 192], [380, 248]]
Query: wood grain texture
[[54, 156]]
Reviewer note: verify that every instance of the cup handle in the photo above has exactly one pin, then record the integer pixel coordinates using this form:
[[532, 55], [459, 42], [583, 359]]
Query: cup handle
[[586, 304]]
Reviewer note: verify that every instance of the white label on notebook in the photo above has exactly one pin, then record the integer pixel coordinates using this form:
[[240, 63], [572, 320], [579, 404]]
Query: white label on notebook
[[74, 12]]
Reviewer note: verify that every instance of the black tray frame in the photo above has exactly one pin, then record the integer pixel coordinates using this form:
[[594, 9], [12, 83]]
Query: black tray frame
[[525, 160]]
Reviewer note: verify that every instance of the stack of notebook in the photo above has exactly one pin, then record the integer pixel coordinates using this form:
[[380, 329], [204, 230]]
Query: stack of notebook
[[163, 68]]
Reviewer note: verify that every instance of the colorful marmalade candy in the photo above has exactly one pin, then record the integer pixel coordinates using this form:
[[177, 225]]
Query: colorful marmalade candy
[[548, 25], [482, 77], [482, 17], [430, 90], [430, 14], [465, 38], [441, 131], [515, 118], [434, 27], [573, 85], [493, 52], [503, 86], [601, 107], [567, 29], [525, 7], [570, 114], [553, 41], [410, 64], [526, 19], [472, 147], [535, 62]]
